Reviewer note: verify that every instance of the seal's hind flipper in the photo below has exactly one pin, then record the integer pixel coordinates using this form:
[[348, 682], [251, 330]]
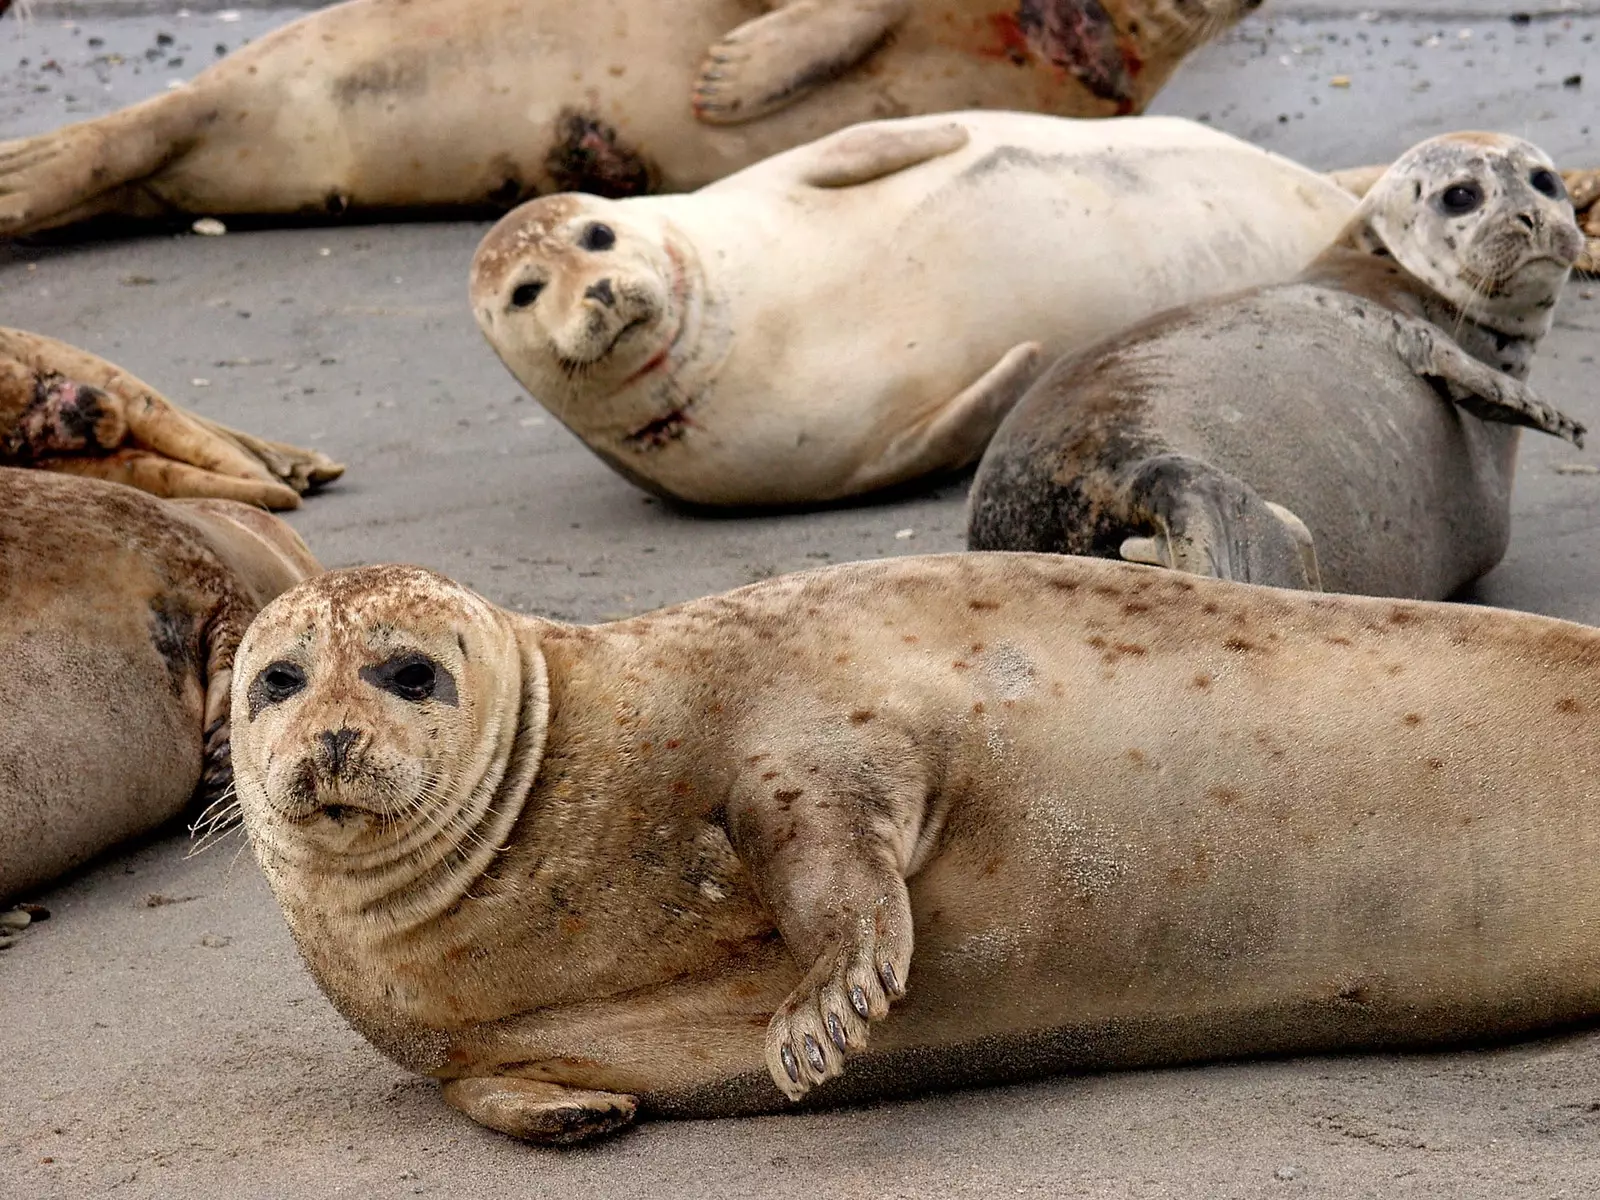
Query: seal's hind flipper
[[1207, 522], [778, 58], [301, 469], [539, 1112], [870, 152], [52, 178]]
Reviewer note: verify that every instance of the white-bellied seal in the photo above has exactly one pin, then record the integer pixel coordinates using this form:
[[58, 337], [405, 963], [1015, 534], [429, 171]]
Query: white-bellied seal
[[1059, 813], [64, 409], [377, 104], [119, 621], [864, 310], [1355, 429]]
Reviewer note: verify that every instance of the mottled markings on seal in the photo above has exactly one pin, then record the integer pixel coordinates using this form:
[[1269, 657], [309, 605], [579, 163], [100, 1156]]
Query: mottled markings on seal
[[983, 605], [1079, 37], [1239, 645], [1436, 764], [787, 796], [770, 774], [1225, 796], [175, 634], [381, 79], [1201, 682], [861, 716], [1568, 704], [586, 156], [1412, 718]]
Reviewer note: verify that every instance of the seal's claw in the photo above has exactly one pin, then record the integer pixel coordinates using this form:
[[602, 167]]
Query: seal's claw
[[834, 1005]]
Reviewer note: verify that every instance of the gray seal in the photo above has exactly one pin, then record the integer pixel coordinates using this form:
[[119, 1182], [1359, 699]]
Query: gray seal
[[1355, 429]]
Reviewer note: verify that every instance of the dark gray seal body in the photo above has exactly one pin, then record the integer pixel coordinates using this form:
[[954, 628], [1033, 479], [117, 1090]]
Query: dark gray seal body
[[1354, 429]]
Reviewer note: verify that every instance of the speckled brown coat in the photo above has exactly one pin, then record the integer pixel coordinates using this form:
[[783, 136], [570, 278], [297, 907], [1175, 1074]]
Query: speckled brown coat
[[1131, 816], [119, 615]]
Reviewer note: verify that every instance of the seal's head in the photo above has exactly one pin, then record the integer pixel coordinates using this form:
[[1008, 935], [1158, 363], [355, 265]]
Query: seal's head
[[1483, 220], [386, 724], [579, 296]]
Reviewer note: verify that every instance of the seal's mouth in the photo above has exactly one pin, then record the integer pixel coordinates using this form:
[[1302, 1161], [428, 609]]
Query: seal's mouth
[[576, 366]]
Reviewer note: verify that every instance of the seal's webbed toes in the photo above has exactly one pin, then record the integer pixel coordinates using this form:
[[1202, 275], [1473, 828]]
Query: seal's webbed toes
[[826, 1018]]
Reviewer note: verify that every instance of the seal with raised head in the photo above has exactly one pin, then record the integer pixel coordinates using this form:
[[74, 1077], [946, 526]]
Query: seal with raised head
[[915, 823], [397, 104], [864, 310], [64, 409], [1355, 429], [120, 616]]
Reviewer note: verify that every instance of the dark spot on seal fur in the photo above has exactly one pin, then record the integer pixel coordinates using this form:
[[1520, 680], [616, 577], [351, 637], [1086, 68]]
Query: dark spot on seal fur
[[787, 795], [1412, 718], [861, 716], [64, 417], [378, 79], [1568, 704], [1080, 37], [586, 157], [175, 634]]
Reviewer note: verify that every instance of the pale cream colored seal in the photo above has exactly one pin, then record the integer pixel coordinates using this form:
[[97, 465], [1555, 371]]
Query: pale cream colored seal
[[64, 409], [864, 310], [915, 823], [1355, 429], [120, 618], [396, 104]]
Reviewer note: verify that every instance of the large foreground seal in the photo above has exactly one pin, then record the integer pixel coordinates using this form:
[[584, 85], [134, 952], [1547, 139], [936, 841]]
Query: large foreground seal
[[410, 103], [1057, 812], [119, 616], [64, 409], [1375, 399], [864, 310]]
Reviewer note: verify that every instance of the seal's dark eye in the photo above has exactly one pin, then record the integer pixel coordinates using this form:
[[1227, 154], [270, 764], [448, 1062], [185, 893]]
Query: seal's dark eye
[[598, 237], [413, 677], [1461, 198], [415, 682], [526, 294], [276, 683], [1546, 182]]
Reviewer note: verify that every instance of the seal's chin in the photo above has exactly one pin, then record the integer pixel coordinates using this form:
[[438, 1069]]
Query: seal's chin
[[596, 350]]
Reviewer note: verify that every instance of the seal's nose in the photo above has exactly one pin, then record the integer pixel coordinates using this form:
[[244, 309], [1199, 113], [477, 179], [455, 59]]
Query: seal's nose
[[602, 292], [1527, 219], [337, 746]]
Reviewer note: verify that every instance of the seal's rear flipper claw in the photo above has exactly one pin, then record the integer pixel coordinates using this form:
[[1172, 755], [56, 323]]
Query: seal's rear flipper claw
[[778, 58], [1212, 523], [540, 1112]]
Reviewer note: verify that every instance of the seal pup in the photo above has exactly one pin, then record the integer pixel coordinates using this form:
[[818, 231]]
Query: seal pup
[[1355, 429], [120, 619], [64, 409], [406, 104], [864, 310], [914, 823]]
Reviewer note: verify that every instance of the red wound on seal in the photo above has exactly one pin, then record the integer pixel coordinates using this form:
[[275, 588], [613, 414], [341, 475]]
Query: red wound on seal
[[1080, 38], [64, 418]]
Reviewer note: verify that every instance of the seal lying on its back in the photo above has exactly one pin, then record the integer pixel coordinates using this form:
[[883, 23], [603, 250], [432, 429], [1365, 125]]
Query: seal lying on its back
[[119, 616], [63, 409], [412, 103], [1353, 430], [583, 872], [864, 310]]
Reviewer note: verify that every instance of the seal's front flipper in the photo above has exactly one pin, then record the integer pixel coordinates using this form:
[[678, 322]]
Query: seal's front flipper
[[828, 844], [1486, 393], [540, 1112], [47, 179], [956, 432], [870, 152], [776, 59], [1207, 522]]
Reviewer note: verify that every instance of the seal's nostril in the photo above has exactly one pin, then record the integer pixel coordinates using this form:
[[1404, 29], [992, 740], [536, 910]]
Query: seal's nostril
[[337, 745], [1526, 219], [602, 292]]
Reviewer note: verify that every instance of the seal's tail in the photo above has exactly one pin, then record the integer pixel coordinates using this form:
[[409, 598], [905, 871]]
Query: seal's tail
[[76, 171], [1208, 522]]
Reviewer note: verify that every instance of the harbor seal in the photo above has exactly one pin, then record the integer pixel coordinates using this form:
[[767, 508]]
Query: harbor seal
[[121, 616], [408, 104], [864, 310], [915, 823], [1355, 429], [64, 409]]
